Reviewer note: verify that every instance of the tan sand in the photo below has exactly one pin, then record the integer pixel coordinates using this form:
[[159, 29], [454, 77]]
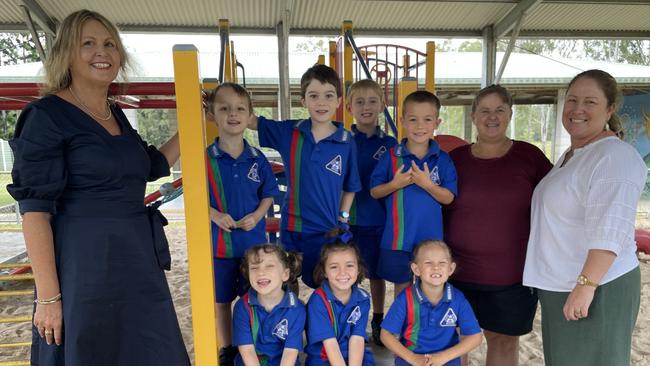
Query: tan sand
[[530, 349]]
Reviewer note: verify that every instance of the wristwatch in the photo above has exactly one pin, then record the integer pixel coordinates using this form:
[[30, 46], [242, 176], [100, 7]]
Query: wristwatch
[[344, 214], [584, 281]]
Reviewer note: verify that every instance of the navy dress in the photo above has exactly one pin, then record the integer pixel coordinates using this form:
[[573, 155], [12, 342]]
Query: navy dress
[[110, 249]]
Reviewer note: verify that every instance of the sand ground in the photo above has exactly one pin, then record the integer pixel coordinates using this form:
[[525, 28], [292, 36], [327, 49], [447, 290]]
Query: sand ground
[[530, 348]]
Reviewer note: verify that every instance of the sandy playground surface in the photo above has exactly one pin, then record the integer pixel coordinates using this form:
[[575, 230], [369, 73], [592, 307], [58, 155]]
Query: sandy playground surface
[[530, 349]]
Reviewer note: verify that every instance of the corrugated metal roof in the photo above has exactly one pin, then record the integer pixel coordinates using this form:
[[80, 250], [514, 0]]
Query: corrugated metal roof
[[398, 17]]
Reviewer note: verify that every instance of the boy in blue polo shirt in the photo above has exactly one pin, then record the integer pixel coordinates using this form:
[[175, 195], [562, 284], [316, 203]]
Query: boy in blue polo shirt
[[421, 325], [320, 161], [368, 215], [415, 178], [241, 186]]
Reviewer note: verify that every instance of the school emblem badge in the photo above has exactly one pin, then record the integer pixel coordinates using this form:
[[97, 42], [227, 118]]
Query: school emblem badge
[[281, 329], [253, 174], [355, 315], [379, 152], [335, 165], [433, 175], [449, 320]]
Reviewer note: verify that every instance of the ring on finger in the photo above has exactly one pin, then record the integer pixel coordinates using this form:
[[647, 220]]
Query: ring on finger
[[47, 332]]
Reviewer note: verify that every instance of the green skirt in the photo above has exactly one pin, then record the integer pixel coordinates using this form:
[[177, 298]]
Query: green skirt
[[604, 337]]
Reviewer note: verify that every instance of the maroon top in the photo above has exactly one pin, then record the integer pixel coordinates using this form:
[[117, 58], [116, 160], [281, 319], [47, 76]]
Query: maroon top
[[487, 225]]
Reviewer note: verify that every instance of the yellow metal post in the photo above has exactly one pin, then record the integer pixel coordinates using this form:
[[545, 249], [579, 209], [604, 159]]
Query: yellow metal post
[[224, 29], [347, 72], [332, 55], [405, 87], [406, 63], [321, 59], [211, 130], [430, 68], [191, 128], [233, 60]]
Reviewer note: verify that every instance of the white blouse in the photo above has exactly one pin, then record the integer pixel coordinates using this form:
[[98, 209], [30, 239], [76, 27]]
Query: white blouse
[[589, 203]]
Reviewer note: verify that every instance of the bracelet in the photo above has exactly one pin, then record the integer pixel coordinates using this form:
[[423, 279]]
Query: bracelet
[[51, 300]]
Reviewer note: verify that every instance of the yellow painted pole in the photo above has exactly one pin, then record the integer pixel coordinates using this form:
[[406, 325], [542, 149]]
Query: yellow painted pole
[[224, 29], [16, 293], [405, 87], [430, 68], [321, 59], [14, 363], [233, 59], [15, 345], [14, 265], [347, 72], [211, 130], [406, 62], [16, 319], [191, 128], [19, 277], [332, 55]]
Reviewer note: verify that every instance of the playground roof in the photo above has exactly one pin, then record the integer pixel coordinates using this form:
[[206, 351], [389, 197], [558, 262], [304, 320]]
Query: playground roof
[[459, 18]]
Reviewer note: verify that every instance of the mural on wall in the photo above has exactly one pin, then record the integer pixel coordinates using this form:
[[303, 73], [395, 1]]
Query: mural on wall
[[635, 115]]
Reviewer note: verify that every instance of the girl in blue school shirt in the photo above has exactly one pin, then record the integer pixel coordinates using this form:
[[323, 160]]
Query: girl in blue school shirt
[[338, 309], [269, 319]]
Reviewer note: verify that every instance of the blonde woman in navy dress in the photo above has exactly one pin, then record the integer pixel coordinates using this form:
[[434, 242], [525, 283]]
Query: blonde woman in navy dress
[[79, 177]]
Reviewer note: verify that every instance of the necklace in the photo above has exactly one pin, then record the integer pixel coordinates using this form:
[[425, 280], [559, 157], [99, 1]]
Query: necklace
[[108, 107]]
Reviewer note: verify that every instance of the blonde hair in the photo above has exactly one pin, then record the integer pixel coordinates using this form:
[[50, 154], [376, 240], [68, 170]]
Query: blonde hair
[[433, 243], [366, 84], [58, 63]]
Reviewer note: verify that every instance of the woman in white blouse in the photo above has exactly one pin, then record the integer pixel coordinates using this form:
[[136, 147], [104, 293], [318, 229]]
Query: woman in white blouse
[[581, 252]]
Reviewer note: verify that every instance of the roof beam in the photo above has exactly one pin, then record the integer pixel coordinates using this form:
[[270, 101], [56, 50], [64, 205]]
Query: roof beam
[[506, 24], [40, 16]]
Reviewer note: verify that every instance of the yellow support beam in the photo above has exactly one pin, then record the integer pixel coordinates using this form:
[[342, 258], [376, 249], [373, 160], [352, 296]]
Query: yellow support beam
[[20, 277], [211, 130], [405, 87], [332, 54], [321, 60], [14, 363], [191, 128], [430, 68], [16, 319], [14, 265], [347, 72], [233, 64], [16, 293], [15, 345]]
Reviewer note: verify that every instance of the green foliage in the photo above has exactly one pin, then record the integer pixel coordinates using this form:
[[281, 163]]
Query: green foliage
[[17, 48], [8, 121], [156, 126]]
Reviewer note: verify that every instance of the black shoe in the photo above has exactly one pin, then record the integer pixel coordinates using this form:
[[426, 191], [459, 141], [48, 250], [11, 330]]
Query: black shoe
[[376, 330], [227, 356]]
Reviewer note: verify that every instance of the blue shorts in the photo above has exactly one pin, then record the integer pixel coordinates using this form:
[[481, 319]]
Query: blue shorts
[[368, 239], [228, 280], [395, 266], [310, 245]]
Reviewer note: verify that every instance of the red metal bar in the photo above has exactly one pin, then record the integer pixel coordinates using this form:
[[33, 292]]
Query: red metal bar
[[155, 195], [33, 89]]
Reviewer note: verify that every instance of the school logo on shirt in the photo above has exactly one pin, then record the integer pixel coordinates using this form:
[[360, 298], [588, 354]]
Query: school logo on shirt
[[281, 329], [335, 165], [449, 320], [354, 316], [252, 173], [379, 152], [433, 175]]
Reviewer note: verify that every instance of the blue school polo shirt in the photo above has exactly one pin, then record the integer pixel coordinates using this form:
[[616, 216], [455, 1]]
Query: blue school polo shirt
[[367, 211], [432, 328], [281, 328], [239, 184], [317, 173], [412, 214], [348, 320]]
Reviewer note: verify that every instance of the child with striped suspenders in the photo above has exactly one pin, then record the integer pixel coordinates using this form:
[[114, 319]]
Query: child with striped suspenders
[[420, 327], [269, 319], [337, 311], [241, 186]]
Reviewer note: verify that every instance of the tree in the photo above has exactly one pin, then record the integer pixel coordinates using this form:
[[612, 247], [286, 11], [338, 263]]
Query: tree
[[17, 48], [8, 121], [156, 126]]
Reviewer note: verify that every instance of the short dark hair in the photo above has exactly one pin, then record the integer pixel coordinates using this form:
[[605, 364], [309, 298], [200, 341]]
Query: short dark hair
[[238, 89], [497, 89], [290, 260], [322, 73], [421, 96]]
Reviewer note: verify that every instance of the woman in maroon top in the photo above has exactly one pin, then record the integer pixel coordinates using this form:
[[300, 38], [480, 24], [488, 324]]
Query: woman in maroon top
[[487, 225]]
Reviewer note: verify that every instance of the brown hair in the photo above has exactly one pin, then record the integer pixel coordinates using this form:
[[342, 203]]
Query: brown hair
[[427, 243], [238, 89], [290, 260], [497, 89], [322, 73], [337, 246], [609, 86], [421, 96], [58, 63], [365, 84]]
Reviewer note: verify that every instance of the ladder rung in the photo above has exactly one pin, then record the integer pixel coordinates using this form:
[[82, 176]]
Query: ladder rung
[[16, 319], [16, 293], [14, 363], [13, 345], [20, 277], [14, 265]]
